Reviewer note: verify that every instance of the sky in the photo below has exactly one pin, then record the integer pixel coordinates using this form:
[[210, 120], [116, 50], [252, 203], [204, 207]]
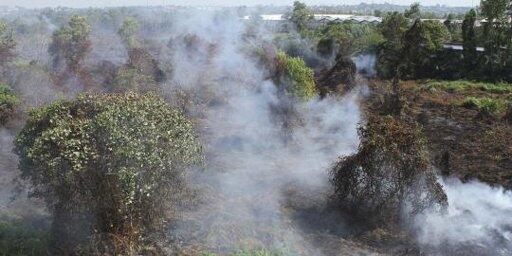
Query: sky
[[103, 3]]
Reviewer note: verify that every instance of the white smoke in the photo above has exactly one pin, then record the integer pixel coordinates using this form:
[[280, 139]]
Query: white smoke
[[365, 64], [254, 164], [478, 215]]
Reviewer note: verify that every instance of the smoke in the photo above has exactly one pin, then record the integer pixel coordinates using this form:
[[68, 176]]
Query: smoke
[[366, 64], [255, 162], [477, 220]]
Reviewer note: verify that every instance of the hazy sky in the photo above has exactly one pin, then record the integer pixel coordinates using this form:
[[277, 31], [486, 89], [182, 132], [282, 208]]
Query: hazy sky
[[98, 3]]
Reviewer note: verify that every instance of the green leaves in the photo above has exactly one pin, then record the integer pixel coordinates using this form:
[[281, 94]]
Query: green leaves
[[300, 77], [115, 157], [8, 101]]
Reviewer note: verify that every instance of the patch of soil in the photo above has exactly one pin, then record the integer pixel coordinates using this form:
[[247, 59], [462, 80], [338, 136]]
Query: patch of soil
[[463, 142]]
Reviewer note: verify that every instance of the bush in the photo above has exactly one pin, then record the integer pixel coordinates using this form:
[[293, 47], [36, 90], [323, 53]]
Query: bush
[[390, 174], [110, 167], [298, 78], [8, 102], [486, 105], [22, 237], [461, 85]]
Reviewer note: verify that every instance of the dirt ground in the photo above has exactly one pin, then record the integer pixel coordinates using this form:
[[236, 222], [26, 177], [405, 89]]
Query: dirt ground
[[463, 142]]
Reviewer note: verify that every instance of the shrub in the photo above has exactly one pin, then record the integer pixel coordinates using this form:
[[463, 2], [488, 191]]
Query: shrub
[[298, 78], [8, 101], [461, 85], [487, 105], [389, 176], [22, 237], [110, 167]]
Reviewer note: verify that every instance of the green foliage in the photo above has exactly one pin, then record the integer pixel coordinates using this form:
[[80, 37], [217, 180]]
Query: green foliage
[[118, 158], [496, 37], [71, 43], [462, 85], [469, 41], [7, 44], [299, 77], [413, 12], [488, 105], [392, 28], [300, 16], [8, 102], [128, 32], [131, 79], [353, 38], [23, 238], [422, 41]]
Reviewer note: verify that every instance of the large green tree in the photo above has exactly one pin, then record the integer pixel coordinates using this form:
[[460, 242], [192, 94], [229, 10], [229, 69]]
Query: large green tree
[[392, 28], [110, 167], [496, 30], [422, 41], [470, 42]]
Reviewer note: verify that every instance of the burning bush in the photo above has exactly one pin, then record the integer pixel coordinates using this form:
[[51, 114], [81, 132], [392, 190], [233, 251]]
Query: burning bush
[[110, 167], [390, 174]]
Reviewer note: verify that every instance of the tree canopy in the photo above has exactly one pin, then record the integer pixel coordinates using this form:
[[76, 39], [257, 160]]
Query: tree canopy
[[108, 165], [301, 15]]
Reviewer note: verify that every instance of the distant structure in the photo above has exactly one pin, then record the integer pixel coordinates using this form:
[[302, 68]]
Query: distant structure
[[337, 18], [321, 18]]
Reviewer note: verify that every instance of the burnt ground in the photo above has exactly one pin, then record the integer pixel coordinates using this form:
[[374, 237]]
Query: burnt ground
[[464, 142]]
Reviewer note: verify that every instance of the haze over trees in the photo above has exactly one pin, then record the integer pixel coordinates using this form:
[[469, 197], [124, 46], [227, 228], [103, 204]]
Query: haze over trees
[[184, 131]]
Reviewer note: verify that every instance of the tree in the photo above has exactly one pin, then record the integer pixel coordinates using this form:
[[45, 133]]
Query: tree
[[453, 28], [422, 41], [390, 176], [128, 32], [110, 168], [7, 44], [353, 38], [414, 12], [300, 16], [71, 44], [469, 41], [392, 28], [495, 35]]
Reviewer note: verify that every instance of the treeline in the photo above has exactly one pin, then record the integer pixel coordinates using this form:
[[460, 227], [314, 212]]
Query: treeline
[[411, 47], [414, 48]]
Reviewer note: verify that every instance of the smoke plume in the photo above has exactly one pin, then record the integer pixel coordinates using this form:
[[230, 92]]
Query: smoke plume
[[477, 220], [254, 163]]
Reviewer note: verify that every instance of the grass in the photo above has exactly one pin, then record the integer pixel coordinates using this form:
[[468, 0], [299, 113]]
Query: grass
[[493, 106], [21, 237], [462, 85]]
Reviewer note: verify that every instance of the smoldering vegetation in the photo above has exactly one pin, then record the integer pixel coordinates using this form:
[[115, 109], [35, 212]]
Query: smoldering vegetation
[[285, 170]]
